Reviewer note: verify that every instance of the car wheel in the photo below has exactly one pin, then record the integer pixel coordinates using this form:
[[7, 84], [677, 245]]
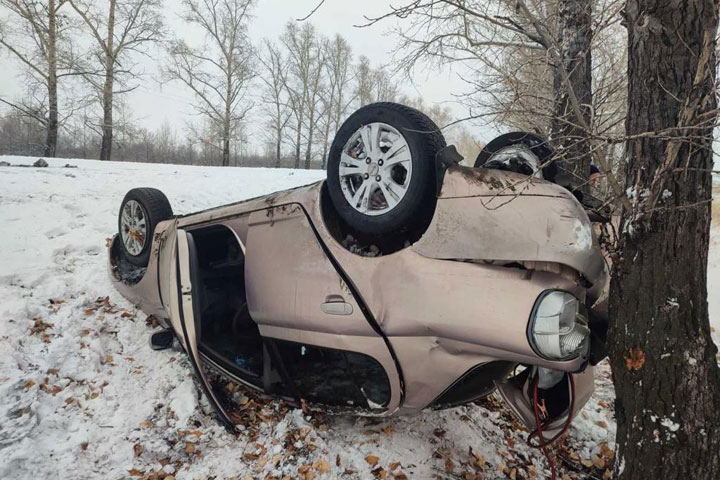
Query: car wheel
[[381, 169], [141, 210], [519, 152]]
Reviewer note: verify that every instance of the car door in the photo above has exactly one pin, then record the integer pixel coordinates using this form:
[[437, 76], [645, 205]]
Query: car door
[[302, 302], [184, 311]]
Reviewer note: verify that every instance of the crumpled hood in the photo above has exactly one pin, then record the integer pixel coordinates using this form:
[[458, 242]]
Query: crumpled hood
[[492, 215]]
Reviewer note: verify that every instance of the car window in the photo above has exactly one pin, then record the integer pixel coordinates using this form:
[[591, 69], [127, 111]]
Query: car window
[[335, 377]]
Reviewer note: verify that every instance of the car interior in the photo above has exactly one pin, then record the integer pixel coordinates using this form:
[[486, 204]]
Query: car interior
[[227, 334]]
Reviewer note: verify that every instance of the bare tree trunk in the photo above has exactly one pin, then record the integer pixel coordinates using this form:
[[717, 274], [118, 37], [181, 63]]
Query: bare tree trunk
[[52, 125], [297, 139], [107, 127], [277, 153], [662, 355], [573, 75], [311, 131]]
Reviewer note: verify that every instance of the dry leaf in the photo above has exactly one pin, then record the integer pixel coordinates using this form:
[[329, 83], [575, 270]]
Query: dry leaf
[[607, 475], [146, 424], [395, 465], [379, 472], [261, 464], [388, 430], [84, 446], [607, 452], [587, 462], [126, 314], [135, 473], [94, 394], [372, 460], [598, 462], [636, 359], [449, 465], [322, 466], [89, 311], [138, 449], [189, 447], [52, 371], [400, 476], [29, 384], [601, 423]]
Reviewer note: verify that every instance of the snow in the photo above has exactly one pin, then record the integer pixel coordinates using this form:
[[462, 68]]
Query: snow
[[82, 395]]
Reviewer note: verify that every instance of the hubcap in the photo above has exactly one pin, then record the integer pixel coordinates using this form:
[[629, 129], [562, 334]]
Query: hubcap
[[133, 227], [375, 168]]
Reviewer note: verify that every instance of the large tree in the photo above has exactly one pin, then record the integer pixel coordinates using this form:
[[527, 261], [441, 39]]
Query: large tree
[[665, 370], [219, 71], [274, 97], [118, 28], [35, 34], [500, 45]]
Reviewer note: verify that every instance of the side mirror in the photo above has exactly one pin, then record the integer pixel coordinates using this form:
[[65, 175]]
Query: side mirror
[[447, 157], [162, 340]]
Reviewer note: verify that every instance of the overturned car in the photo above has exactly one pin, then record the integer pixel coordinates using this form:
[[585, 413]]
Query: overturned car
[[402, 282]]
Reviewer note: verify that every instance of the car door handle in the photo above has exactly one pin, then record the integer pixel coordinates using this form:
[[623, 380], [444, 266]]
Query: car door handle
[[336, 305]]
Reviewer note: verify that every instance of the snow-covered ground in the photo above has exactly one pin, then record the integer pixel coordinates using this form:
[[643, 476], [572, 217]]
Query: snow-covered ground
[[83, 396]]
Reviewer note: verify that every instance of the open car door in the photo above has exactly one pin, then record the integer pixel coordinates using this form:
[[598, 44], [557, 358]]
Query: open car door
[[185, 311]]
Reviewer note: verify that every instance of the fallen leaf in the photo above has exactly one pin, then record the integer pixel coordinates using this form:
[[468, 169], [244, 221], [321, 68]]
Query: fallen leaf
[[321, 466], [636, 359], [52, 371], [607, 475], [84, 446], [261, 464], [379, 472], [126, 314], [598, 462], [94, 394], [138, 449], [449, 465], [29, 384], [587, 462], [400, 476], [88, 312], [395, 465], [372, 460], [601, 423], [146, 424], [388, 430], [135, 473], [607, 452], [189, 447]]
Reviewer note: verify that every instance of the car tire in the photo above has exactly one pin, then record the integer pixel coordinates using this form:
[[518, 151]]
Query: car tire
[[140, 212], [399, 182], [537, 145]]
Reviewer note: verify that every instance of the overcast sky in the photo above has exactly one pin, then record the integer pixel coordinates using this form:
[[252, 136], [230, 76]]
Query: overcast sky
[[153, 103]]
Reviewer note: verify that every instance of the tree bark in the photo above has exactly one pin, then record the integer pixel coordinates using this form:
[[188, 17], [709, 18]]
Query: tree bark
[[662, 355], [52, 122], [573, 75], [107, 127]]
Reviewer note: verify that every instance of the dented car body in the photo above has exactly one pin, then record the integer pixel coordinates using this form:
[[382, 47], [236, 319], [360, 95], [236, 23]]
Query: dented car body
[[266, 291]]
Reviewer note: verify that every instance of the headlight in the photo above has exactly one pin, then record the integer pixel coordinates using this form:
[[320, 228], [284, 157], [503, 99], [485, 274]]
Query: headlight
[[557, 330]]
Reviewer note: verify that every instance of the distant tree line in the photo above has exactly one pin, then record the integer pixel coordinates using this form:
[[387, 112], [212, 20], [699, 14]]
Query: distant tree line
[[79, 59]]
